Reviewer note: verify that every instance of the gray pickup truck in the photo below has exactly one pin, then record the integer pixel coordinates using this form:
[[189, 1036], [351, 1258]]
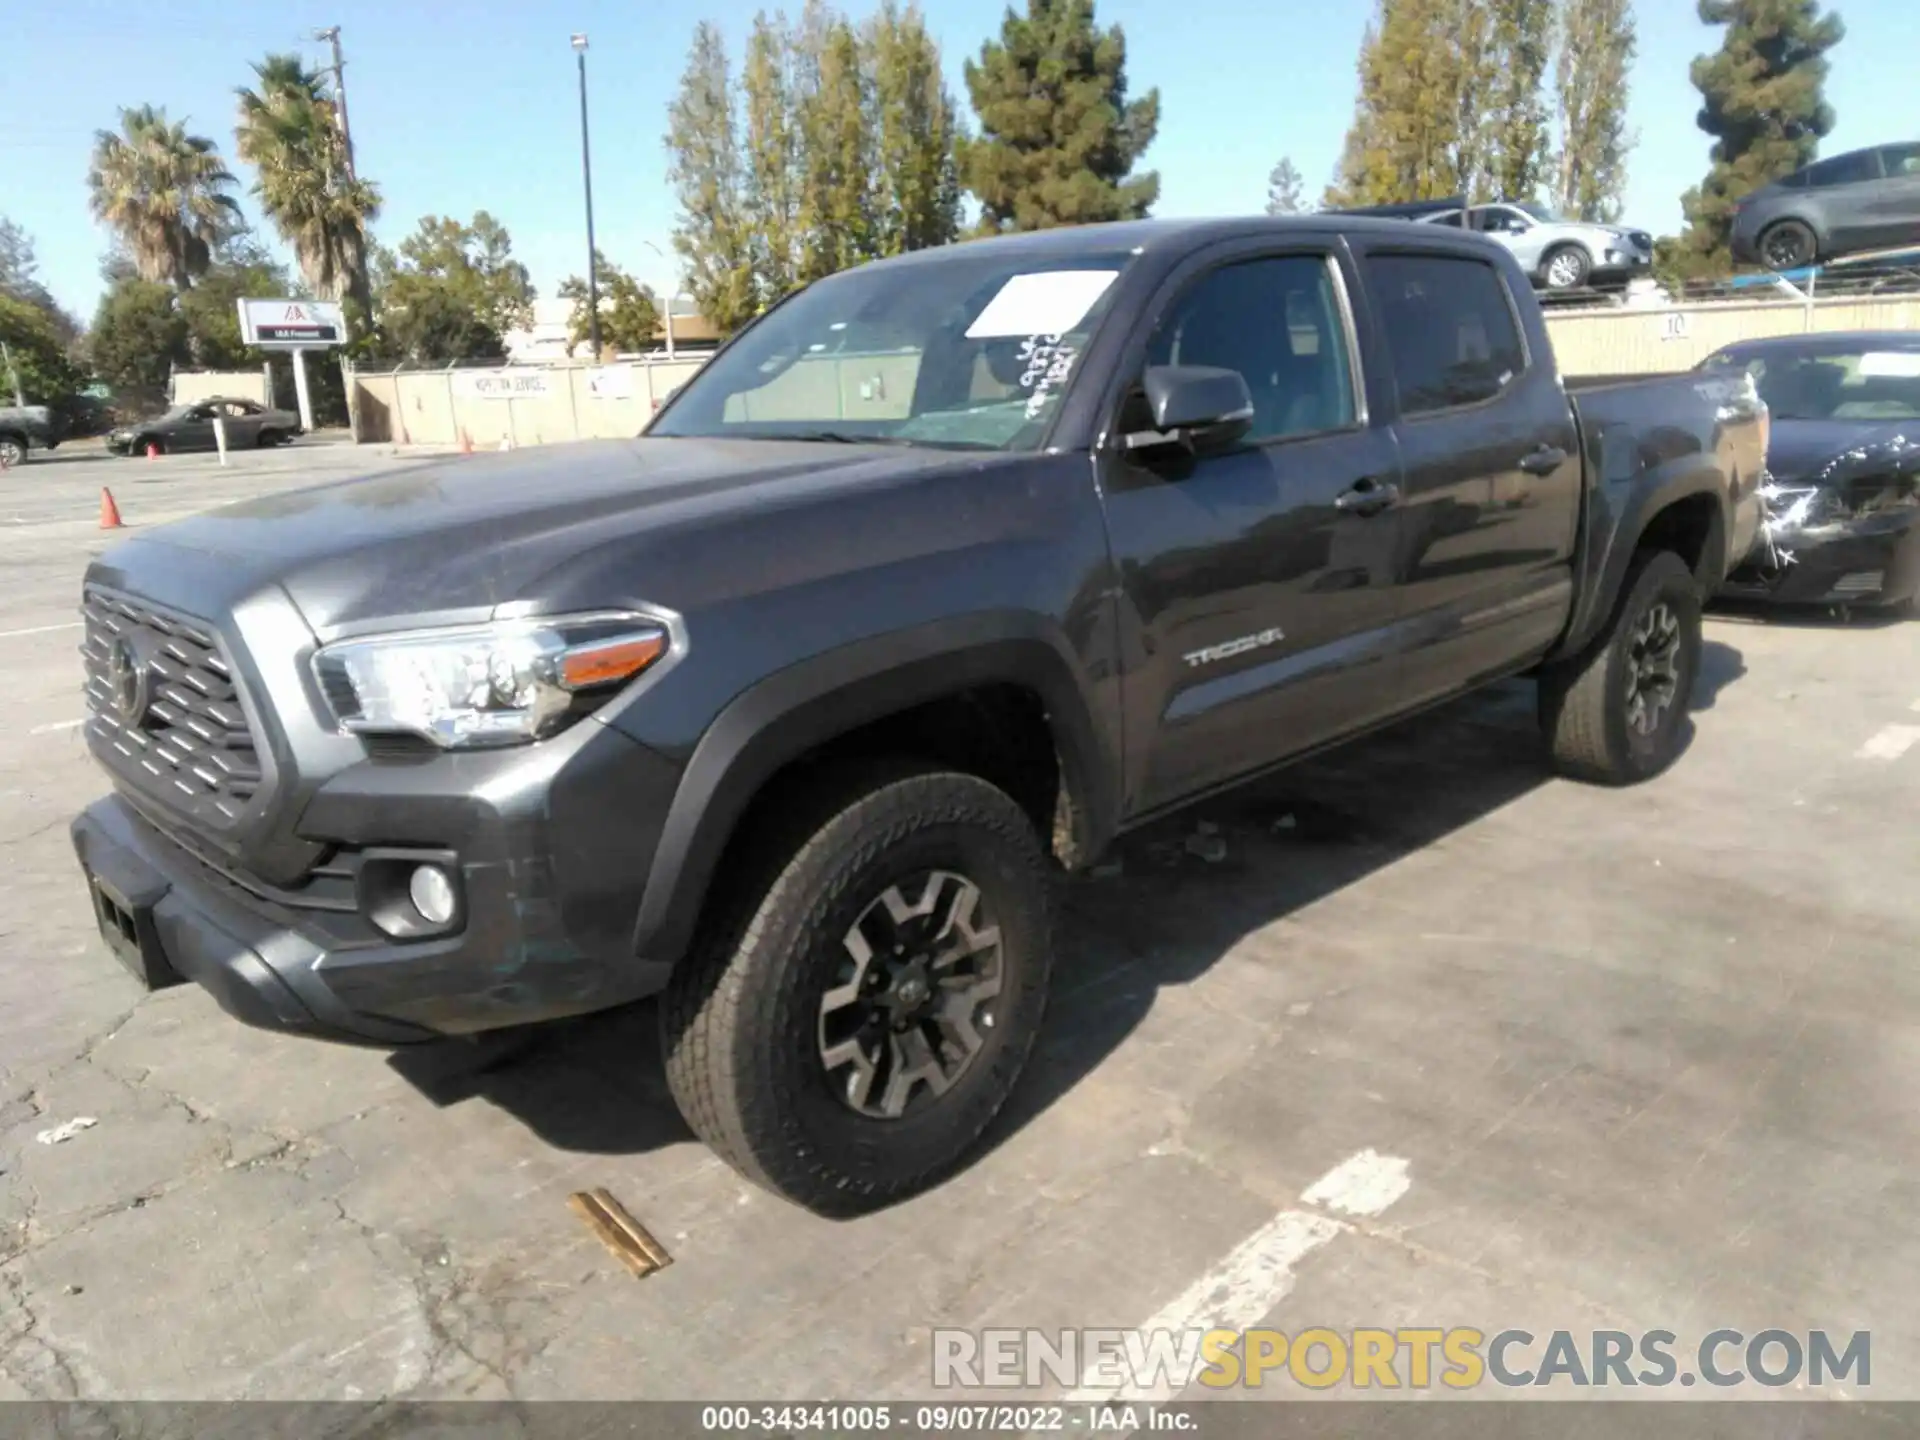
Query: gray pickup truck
[[23, 429], [941, 575]]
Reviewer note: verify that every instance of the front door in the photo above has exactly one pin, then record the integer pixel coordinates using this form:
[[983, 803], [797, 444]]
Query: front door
[[1258, 584], [1490, 470], [195, 430]]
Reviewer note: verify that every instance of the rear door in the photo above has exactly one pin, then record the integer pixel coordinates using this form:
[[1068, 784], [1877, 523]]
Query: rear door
[[1896, 202], [1257, 584], [1846, 189], [1490, 468]]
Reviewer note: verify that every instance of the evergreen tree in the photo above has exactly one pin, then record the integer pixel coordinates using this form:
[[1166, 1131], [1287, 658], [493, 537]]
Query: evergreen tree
[[1417, 132], [1597, 42], [1512, 70], [771, 204], [712, 235], [916, 182], [836, 150], [1766, 108], [1058, 137], [1283, 189]]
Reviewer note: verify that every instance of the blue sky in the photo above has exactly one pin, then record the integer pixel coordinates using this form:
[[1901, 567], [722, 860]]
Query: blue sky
[[459, 105]]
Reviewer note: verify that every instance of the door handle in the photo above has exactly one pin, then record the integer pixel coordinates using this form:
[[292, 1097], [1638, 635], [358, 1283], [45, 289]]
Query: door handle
[[1543, 461], [1368, 497]]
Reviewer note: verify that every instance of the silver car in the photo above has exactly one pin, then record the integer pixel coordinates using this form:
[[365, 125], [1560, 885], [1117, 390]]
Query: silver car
[[1558, 254]]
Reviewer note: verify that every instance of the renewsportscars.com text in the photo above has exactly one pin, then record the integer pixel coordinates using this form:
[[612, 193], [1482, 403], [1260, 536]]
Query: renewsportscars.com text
[[1459, 1358]]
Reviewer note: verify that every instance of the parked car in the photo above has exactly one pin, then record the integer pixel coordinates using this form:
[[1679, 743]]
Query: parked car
[[1844, 460], [785, 710], [1863, 200], [190, 427], [1557, 254], [23, 428]]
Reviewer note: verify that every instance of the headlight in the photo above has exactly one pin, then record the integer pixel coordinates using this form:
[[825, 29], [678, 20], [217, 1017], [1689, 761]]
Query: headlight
[[1791, 507], [503, 683]]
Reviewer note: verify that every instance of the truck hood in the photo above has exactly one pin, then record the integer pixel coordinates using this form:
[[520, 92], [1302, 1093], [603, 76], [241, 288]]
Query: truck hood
[[455, 538], [1819, 452]]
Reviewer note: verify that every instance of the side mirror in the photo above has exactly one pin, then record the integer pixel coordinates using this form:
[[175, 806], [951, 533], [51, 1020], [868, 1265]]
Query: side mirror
[[1199, 407]]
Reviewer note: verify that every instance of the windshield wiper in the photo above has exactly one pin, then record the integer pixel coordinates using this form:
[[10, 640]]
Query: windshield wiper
[[832, 437]]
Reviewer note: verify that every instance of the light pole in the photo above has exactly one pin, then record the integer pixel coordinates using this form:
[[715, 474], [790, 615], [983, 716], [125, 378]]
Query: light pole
[[666, 314], [586, 173], [332, 34]]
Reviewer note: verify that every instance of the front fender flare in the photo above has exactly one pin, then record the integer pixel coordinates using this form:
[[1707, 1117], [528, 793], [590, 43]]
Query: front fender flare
[[803, 706]]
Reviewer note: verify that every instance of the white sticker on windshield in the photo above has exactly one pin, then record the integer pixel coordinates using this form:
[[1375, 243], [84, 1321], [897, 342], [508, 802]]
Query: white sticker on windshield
[[1049, 302], [1892, 364]]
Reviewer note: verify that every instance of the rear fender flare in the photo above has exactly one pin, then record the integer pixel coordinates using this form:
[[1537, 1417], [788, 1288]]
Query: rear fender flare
[[1618, 540], [805, 705]]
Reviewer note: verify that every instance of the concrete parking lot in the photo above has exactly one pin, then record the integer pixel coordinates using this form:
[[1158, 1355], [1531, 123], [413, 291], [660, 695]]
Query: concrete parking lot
[[1624, 1060]]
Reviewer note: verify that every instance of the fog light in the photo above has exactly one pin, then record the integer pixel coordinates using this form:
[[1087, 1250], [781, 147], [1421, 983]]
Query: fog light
[[431, 891]]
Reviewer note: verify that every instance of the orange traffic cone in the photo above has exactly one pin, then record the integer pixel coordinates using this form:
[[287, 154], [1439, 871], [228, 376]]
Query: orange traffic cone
[[109, 512], [466, 442], [153, 451]]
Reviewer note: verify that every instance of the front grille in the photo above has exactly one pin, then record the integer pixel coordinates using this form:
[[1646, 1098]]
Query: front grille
[[163, 700]]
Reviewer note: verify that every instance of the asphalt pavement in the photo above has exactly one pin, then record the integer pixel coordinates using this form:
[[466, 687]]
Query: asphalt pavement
[[1410, 1036]]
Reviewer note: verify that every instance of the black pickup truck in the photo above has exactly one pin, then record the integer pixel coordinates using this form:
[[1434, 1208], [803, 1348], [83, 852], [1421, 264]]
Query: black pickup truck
[[943, 573]]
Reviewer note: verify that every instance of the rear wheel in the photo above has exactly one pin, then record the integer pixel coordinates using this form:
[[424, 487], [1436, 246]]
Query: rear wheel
[[268, 437], [851, 1021], [1615, 714], [1566, 268], [1788, 245]]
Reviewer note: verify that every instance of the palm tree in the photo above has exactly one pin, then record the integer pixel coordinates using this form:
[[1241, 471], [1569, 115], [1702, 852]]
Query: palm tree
[[289, 132], [164, 192]]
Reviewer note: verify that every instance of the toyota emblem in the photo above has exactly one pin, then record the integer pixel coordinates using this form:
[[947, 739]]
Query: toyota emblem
[[128, 679]]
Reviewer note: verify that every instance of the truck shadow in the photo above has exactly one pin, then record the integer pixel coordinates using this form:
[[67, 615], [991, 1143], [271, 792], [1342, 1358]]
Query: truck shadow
[[1186, 892]]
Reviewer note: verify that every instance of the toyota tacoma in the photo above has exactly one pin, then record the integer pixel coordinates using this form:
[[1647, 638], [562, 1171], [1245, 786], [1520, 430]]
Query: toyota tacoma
[[937, 578]]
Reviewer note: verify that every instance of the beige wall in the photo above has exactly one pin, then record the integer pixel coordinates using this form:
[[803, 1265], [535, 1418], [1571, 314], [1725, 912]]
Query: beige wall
[[192, 386], [439, 407], [1654, 341]]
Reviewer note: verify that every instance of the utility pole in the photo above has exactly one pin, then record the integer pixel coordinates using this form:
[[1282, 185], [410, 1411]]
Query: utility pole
[[586, 171], [339, 67]]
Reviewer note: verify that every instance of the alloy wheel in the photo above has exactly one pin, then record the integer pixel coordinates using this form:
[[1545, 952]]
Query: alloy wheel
[[1653, 668], [1564, 272], [904, 1016]]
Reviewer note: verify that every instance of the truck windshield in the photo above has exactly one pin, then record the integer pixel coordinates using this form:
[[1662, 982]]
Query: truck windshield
[[965, 351]]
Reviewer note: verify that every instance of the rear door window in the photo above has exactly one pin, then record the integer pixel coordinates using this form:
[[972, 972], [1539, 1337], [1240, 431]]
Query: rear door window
[[1845, 170], [1449, 328]]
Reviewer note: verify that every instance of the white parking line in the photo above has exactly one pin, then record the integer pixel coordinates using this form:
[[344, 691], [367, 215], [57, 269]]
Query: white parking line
[[40, 629], [1255, 1276], [1891, 743], [58, 725]]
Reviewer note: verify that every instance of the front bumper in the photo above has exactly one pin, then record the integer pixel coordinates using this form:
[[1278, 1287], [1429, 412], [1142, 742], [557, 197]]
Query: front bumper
[[551, 861], [1872, 562]]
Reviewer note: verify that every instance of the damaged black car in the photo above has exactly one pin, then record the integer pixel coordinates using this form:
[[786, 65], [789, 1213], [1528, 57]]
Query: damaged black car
[[1842, 496]]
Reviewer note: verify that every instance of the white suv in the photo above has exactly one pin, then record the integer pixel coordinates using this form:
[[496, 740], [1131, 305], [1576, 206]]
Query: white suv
[[1559, 254]]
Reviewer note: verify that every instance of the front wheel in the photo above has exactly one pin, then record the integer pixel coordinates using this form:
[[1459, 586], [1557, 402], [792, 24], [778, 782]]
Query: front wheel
[[852, 1020], [1615, 714], [13, 452], [1567, 268], [1788, 246]]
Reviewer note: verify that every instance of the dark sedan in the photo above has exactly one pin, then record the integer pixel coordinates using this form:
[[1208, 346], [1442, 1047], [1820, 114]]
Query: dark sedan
[[1863, 200], [190, 427], [1843, 493]]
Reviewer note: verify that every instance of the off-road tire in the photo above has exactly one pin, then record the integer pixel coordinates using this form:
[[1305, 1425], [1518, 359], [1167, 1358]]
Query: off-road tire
[[1582, 268], [1584, 701], [739, 1018]]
